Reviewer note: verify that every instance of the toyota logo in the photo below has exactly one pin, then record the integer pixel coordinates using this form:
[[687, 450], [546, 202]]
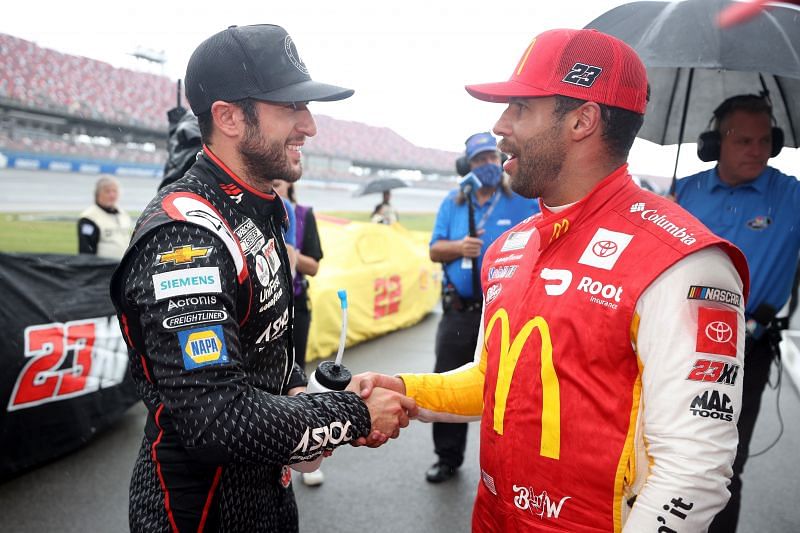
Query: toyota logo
[[604, 248], [719, 331]]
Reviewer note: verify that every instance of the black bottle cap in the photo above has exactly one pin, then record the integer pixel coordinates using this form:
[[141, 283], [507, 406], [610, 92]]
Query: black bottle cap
[[333, 376]]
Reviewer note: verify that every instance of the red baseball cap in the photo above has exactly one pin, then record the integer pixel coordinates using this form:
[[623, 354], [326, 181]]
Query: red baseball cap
[[584, 64]]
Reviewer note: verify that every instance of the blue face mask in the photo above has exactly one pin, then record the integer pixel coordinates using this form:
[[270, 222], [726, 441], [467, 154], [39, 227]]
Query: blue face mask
[[489, 174]]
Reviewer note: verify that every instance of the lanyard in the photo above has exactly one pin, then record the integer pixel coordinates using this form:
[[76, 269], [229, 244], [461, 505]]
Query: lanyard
[[493, 203]]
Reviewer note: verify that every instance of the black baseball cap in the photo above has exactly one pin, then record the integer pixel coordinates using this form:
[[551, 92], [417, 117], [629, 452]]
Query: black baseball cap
[[259, 61]]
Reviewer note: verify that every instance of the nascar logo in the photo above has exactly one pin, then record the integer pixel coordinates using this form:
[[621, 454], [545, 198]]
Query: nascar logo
[[713, 294]]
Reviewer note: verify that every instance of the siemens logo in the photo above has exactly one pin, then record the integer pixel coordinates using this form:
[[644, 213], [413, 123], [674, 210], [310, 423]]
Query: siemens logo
[[187, 281]]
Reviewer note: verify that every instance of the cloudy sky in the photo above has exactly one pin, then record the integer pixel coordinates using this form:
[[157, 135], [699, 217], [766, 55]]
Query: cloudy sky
[[407, 61]]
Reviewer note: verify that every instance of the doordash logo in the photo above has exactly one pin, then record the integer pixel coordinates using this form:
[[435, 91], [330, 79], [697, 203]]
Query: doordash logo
[[562, 277]]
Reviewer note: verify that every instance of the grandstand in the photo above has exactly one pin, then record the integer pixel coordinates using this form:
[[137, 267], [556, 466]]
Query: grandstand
[[68, 112]]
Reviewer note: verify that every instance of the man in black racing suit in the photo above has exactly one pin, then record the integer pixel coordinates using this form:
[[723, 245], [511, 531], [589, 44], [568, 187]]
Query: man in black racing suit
[[204, 299]]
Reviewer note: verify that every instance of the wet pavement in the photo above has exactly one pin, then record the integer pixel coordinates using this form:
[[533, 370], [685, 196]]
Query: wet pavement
[[37, 191], [379, 490]]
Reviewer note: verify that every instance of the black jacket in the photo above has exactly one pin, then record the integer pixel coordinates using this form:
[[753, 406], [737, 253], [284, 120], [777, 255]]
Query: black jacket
[[204, 295]]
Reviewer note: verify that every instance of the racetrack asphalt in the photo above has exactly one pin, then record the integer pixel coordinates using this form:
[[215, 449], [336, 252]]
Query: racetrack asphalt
[[379, 490]]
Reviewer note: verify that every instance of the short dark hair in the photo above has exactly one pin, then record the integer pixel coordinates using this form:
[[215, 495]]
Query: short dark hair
[[206, 121], [620, 126], [751, 103]]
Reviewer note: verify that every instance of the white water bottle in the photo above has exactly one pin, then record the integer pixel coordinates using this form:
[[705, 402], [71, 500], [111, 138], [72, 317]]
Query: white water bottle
[[329, 377]]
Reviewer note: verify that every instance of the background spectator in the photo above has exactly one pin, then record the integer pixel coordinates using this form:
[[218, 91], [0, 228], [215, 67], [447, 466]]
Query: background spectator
[[103, 228]]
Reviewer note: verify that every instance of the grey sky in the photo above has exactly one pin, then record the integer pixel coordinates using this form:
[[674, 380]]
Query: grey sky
[[407, 61]]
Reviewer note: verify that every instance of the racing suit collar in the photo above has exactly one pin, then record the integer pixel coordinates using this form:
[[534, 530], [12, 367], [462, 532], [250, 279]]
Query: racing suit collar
[[552, 225], [249, 199]]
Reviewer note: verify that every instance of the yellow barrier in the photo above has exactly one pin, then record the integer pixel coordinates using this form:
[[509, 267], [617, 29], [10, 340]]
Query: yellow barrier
[[390, 281]]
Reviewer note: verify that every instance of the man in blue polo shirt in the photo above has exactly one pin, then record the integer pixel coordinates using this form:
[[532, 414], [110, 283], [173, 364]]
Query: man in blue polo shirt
[[757, 208], [495, 209]]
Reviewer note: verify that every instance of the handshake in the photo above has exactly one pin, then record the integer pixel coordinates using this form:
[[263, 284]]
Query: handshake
[[389, 408]]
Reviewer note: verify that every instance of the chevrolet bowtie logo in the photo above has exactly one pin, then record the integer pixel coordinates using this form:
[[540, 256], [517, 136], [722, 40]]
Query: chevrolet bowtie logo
[[183, 254]]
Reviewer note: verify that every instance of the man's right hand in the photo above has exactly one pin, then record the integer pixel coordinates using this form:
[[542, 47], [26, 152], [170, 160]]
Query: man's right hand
[[471, 246], [388, 406], [390, 411]]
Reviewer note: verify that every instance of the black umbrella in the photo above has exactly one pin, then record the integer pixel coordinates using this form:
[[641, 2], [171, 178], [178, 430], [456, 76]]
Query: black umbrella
[[381, 185], [693, 65]]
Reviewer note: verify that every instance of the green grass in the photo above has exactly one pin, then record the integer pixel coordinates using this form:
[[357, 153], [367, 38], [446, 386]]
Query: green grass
[[38, 233], [56, 233], [412, 221]]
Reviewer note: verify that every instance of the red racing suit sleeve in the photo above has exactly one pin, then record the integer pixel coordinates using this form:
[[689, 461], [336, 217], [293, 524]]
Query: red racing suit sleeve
[[688, 332], [224, 405]]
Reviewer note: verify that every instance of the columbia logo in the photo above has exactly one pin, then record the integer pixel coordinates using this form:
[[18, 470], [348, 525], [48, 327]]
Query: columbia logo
[[489, 482], [636, 208]]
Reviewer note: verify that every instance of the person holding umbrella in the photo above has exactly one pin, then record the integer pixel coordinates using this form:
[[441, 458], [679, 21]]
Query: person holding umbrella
[[468, 221], [385, 212], [608, 363], [755, 207]]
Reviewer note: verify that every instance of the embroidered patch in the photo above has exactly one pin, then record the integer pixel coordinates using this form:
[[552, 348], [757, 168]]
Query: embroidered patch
[[759, 223], [605, 248], [516, 240], [194, 318], [203, 347], [181, 255], [286, 477], [187, 281], [716, 331], [713, 294]]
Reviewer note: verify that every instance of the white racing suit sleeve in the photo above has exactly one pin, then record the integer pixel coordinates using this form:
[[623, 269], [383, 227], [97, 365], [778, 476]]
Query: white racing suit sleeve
[[691, 351]]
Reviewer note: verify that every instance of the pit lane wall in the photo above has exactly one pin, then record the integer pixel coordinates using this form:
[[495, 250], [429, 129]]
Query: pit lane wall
[[390, 281], [56, 163]]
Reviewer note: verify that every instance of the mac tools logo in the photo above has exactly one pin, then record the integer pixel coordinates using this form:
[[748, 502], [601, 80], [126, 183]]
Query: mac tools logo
[[651, 215], [712, 404], [605, 248]]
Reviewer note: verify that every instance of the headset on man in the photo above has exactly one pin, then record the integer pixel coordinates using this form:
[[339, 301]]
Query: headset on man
[[709, 142]]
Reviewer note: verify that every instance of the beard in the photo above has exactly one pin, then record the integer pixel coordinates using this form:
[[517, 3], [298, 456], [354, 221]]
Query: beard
[[266, 161], [539, 162]]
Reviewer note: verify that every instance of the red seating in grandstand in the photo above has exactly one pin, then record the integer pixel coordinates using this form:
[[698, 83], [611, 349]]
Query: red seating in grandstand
[[361, 142], [40, 78]]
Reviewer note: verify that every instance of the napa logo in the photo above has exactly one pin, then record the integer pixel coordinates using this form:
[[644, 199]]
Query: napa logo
[[202, 347]]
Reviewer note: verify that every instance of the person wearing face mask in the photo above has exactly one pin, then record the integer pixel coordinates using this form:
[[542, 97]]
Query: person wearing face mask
[[495, 209]]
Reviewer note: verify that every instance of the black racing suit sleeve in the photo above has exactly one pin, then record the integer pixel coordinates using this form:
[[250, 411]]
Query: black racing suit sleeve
[[216, 411], [88, 236]]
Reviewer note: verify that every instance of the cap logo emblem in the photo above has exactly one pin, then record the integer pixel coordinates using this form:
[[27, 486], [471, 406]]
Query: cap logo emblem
[[294, 57], [525, 57], [583, 75]]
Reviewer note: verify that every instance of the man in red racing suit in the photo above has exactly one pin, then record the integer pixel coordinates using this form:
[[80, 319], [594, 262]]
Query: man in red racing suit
[[609, 363]]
